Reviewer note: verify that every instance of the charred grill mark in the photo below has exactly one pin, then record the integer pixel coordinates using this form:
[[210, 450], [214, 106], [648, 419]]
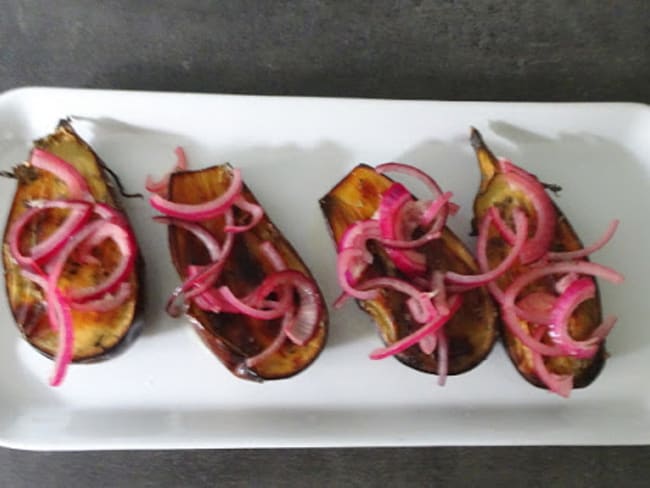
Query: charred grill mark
[[25, 174], [461, 346], [29, 316]]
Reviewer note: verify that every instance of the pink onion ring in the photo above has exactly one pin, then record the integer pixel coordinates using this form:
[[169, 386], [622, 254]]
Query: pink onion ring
[[202, 211], [428, 343], [509, 313], [560, 384], [481, 256], [160, 186], [413, 172], [275, 346], [310, 309], [110, 214], [440, 292], [501, 226], [76, 183], [245, 309], [536, 307], [545, 216], [394, 226], [107, 212], [352, 258], [101, 230], [563, 283], [415, 337], [521, 223], [198, 284], [273, 256], [108, 302], [357, 234], [427, 311], [254, 210], [421, 309], [507, 166], [443, 356], [212, 299], [59, 313], [581, 253], [79, 214], [198, 231], [558, 330], [443, 211]]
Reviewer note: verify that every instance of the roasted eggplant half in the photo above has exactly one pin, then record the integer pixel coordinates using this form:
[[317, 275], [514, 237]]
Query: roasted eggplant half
[[251, 340], [64, 192], [549, 297], [470, 332]]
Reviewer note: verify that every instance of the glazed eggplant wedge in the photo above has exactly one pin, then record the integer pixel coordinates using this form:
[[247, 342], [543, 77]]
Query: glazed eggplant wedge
[[251, 298], [401, 262], [552, 323], [70, 258]]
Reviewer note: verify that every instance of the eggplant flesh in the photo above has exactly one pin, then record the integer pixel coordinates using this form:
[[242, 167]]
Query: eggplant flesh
[[495, 191], [235, 337], [471, 332], [97, 335]]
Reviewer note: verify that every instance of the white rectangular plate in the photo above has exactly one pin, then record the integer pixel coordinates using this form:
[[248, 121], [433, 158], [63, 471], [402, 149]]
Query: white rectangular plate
[[169, 391]]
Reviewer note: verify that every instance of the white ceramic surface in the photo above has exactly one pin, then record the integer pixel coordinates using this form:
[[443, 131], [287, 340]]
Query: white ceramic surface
[[168, 391]]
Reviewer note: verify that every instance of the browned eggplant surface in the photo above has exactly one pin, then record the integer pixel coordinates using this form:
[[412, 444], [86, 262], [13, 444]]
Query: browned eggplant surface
[[97, 335], [472, 330], [234, 337], [495, 191]]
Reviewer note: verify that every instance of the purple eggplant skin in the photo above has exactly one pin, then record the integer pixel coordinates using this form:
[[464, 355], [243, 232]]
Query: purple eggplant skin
[[473, 329], [97, 336]]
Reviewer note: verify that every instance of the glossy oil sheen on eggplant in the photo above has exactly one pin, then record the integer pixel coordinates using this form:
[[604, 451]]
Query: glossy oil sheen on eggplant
[[97, 335], [495, 191], [471, 332], [235, 337]]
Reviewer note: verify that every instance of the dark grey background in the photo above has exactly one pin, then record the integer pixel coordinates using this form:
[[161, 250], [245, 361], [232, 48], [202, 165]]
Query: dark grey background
[[456, 50]]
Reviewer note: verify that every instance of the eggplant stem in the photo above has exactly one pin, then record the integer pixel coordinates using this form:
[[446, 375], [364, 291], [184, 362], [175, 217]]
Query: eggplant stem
[[556, 189], [475, 139], [119, 184]]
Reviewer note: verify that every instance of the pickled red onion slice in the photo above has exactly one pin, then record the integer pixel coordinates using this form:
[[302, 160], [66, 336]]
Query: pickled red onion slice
[[545, 216], [42, 251], [202, 211], [161, 185], [443, 356], [101, 230], [428, 343], [581, 253], [418, 335], [198, 231], [560, 384], [255, 211], [508, 309], [558, 330], [106, 303], [393, 225], [521, 224], [59, 313], [77, 185]]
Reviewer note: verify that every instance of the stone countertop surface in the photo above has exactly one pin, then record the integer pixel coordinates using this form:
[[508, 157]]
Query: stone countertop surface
[[436, 50]]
